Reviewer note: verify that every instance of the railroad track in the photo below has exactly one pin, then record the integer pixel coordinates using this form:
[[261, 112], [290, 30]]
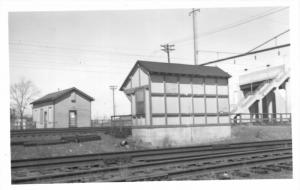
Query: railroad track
[[56, 131], [161, 164], [126, 156]]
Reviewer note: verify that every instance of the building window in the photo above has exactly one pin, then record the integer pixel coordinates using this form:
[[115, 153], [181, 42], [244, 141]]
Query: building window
[[140, 102]]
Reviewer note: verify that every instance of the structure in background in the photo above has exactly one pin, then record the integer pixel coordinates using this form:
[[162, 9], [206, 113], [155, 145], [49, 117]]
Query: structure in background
[[264, 96], [176, 104], [63, 109]]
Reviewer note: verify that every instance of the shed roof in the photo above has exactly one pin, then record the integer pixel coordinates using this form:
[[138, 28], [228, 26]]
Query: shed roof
[[177, 69], [56, 95]]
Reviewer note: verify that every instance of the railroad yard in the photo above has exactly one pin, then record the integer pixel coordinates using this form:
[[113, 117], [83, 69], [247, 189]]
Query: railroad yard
[[261, 155], [151, 95]]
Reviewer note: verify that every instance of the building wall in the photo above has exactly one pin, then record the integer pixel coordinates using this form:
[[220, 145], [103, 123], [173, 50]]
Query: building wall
[[182, 135], [38, 116], [139, 82], [82, 106], [183, 100]]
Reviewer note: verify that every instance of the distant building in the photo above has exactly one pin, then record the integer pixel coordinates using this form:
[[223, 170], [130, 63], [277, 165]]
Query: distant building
[[177, 103], [63, 109]]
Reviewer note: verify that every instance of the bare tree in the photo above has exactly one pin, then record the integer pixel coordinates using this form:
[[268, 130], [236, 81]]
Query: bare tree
[[21, 94]]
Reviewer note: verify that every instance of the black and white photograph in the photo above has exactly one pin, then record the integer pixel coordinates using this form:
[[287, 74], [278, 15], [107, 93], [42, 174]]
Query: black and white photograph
[[198, 93]]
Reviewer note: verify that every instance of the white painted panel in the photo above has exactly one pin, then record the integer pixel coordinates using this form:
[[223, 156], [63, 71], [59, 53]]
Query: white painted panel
[[198, 87], [199, 105], [133, 107], [223, 90], [157, 85], [144, 78], [212, 119], [223, 104], [224, 119], [158, 121], [210, 89], [185, 85], [158, 105], [171, 84], [135, 79], [199, 120], [187, 120], [186, 105], [172, 105], [211, 105], [173, 120], [210, 86]]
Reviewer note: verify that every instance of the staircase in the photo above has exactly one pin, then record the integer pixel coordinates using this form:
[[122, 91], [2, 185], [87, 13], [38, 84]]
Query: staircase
[[266, 87]]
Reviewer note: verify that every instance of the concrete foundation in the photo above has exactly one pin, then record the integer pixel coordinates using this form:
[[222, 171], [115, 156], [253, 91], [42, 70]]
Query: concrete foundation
[[182, 135]]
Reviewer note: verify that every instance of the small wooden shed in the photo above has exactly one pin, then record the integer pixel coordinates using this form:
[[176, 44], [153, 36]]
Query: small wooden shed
[[62, 109], [178, 103]]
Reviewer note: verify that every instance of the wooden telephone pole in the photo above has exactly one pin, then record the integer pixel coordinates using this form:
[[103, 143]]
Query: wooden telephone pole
[[167, 48]]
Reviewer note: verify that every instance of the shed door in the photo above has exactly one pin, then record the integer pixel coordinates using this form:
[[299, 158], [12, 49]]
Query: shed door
[[72, 118]]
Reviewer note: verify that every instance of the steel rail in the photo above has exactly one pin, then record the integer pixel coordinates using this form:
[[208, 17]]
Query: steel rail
[[78, 174], [38, 162]]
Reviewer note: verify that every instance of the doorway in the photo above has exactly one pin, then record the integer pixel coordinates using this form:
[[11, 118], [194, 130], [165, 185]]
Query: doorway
[[72, 118]]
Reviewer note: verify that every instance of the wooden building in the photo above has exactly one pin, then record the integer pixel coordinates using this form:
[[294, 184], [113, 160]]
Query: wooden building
[[66, 108], [177, 103]]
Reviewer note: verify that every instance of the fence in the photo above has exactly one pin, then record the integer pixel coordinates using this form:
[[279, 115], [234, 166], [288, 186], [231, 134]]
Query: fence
[[261, 118]]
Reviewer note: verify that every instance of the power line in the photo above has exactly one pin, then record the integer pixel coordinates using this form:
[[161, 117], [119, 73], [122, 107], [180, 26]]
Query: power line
[[273, 38], [235, 24], [245, 54], [89, 50]]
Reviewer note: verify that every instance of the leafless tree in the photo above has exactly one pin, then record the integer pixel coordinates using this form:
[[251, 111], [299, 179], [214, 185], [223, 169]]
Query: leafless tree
[[21, 94]]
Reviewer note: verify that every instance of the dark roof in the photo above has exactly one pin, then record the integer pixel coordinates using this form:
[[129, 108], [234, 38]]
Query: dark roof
[[178, 69], [56, 95]]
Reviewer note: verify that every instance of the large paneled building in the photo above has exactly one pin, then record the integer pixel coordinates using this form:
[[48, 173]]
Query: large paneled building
[[66, 108], [177, 103]]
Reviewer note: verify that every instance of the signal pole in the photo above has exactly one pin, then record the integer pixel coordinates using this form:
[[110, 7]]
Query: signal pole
[[113, 88], [167, 48], [193, 12]]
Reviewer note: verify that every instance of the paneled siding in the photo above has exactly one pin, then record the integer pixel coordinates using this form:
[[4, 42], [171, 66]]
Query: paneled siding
[[183, 100]]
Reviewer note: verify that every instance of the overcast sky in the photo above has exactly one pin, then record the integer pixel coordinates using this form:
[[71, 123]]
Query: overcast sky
[[92, 50]]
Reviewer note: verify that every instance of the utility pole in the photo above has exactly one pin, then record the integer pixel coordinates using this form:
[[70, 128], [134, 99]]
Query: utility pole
[[167, 48], [193, 12], [113, 88]]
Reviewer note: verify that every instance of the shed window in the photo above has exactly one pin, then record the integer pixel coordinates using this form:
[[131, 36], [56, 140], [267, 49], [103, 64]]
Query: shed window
[[140, 102]]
